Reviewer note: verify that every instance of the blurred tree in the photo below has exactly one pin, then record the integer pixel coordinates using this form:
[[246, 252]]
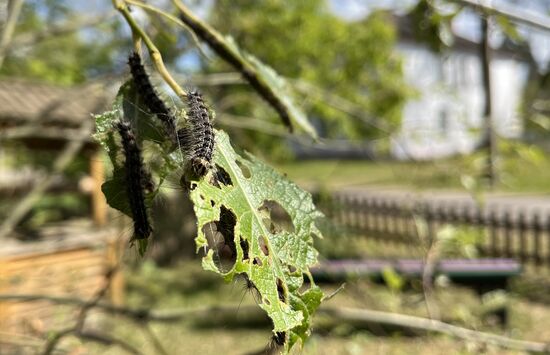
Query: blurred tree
[[64, 57], [303, 39]]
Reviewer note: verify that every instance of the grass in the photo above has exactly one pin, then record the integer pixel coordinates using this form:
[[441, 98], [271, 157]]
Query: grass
[[516, 174], [188, 286]]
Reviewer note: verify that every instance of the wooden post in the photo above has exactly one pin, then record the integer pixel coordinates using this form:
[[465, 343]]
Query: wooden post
[[99, 205]]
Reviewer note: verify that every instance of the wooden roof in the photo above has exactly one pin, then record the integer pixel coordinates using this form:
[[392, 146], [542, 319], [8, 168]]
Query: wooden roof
[[25, 102]]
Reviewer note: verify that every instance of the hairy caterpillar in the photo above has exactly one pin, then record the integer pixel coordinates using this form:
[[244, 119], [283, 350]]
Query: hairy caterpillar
[[150, 97], [197, 138], [137, 180]]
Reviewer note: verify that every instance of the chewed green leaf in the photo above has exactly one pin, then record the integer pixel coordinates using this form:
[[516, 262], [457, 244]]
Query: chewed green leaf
[[274, 260], [159, 159]]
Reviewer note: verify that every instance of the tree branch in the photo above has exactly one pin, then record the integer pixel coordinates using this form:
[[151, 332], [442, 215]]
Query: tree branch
[[154, 53], [366, 317], [14, 8], [29, 39], [219, 44], [356, 316]]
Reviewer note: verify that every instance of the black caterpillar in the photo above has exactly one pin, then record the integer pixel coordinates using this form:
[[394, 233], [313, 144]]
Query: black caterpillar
[[150, 97], [197, 138], [137, 180]]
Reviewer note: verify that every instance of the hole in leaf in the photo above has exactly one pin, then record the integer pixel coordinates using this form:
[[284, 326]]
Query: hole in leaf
[[257, 261], [221, 239], [244, 169], [263, 246], [212, 203], [279, 338], [291, 269], [281, 290], [222, 177], [266, 301], [245, 248], [279, 217]]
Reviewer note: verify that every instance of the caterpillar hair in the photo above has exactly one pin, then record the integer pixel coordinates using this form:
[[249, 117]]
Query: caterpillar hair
[[149, 96], [197, 138], [137, 180]]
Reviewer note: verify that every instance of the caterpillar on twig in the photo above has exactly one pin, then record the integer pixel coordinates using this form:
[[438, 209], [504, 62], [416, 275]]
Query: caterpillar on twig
[[197, 138], [138, 180], [150, 98]]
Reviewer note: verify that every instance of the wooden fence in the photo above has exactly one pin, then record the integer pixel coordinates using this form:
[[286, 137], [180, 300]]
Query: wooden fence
[[507, 231]]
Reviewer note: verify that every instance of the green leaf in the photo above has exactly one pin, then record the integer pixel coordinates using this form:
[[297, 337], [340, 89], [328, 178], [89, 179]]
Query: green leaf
[[274, 257], [160, 160]]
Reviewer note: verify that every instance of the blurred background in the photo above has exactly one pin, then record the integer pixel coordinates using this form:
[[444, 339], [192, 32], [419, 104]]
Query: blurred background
[[431, 168]]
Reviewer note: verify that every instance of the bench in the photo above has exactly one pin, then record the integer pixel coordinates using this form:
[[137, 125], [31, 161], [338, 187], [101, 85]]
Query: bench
[[483, 275]]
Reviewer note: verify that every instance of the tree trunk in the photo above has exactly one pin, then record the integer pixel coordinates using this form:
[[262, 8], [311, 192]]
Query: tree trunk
[[488, 140]]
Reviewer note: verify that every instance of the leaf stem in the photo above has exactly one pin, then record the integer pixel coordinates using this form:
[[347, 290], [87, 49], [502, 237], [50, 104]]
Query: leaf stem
[[171, 18], [154, 53]]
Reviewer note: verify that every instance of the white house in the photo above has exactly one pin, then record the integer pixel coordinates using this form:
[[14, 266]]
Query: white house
[[446, 116]]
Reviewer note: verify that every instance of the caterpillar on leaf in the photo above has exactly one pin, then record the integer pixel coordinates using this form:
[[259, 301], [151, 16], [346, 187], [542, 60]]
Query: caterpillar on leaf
[[137, 179]]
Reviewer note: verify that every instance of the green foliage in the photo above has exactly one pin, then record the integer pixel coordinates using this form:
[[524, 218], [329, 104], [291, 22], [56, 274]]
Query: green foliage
[[460, 241], [279, 86], [274, 260], [431, 26], [272, 257], [305, 41], [62, 59]]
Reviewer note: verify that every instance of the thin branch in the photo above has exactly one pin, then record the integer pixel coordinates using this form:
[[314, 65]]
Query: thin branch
[[367, 317], [171, 18], [77, 329], [14, 9], [138, 314], [432, 257], [154, 53], [515, 14], [218, 43], [341, 104], [30, 39], [356, 316], [154, 339], [107, 340]]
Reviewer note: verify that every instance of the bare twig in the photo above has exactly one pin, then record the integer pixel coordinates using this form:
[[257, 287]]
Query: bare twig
[[173, 19], [154, 339], [432, 257], [366, 317], [107, 340], [77, 329], [356, 316], [218, 43], [154, 53], [75, 24], [14, 9]]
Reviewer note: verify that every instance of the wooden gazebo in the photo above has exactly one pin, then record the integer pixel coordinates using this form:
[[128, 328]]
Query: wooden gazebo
[[67, 258]]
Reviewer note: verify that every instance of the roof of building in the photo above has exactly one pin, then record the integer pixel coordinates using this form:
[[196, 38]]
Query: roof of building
[[25, 102]]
